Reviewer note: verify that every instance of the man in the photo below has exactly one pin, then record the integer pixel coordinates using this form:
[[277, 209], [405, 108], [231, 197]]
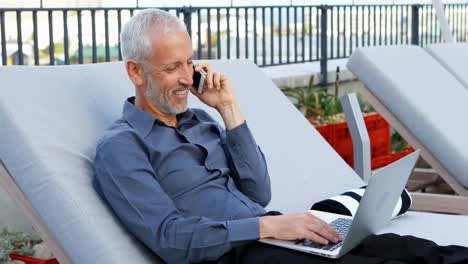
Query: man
[[188, 189], [185, 187]]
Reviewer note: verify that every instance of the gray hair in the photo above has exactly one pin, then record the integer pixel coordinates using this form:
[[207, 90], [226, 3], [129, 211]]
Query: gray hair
[[135, 37]]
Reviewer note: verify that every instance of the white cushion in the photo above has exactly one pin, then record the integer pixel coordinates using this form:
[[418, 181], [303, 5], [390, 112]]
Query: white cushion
[[454, 57]]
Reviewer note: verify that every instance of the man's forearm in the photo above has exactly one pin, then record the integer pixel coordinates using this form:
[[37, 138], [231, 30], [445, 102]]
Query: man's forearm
[[249, 164], [232, 115]]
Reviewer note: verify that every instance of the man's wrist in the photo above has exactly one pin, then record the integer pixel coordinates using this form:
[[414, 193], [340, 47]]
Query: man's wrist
[[231, 114], [265, 226]]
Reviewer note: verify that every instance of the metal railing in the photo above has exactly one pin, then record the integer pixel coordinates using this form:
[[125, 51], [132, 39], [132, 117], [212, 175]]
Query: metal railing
[[268, 35]]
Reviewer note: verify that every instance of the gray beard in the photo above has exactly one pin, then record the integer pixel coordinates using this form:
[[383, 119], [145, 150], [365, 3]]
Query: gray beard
[[154, 94]]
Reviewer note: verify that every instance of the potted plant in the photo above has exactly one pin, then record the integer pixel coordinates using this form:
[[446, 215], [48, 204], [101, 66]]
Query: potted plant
[[325, 112], [28, 248], [305, 98]]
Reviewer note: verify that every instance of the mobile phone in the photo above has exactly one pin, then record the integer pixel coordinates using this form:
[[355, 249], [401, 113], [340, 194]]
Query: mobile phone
[[199, 80]]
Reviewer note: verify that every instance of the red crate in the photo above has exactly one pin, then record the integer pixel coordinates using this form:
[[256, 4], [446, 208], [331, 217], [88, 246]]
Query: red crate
[[31, 260], [340, 139], [379, 135], [343, 143], [327, 133], [401, 154], [387, 159], [381, 161]]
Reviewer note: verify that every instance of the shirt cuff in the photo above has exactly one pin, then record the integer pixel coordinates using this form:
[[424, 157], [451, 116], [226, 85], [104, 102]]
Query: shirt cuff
[[241, 127], [244, 229], [239, 137]]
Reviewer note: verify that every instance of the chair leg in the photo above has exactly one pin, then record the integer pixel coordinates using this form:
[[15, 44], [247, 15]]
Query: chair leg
[[422, 178], [439, 203]]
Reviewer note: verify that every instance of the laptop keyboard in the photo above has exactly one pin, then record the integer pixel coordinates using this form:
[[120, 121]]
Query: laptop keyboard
[[341, 225]]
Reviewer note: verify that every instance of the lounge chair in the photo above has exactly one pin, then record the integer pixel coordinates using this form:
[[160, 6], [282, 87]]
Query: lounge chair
[[52, 116], [454, 58], [426, 103]]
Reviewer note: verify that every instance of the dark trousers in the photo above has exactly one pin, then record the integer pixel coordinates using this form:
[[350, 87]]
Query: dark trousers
[[387, 248]]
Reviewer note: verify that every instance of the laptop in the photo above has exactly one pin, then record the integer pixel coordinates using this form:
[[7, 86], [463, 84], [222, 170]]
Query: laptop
[[374, 212]]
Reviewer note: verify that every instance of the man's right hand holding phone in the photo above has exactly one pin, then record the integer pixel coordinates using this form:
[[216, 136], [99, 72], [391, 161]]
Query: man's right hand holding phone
[[218, 93]]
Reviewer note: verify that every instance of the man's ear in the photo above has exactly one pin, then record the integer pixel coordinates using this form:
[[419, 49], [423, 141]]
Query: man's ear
[[135, 72]]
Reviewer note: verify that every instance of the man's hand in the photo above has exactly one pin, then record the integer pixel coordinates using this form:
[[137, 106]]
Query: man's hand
[[298, 226], [218, 93]]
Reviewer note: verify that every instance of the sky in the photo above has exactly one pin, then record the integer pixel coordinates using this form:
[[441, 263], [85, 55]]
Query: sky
[[174, 3]]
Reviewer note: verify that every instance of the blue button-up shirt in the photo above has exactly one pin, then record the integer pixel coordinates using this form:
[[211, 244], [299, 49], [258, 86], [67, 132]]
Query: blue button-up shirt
[[190, 192]]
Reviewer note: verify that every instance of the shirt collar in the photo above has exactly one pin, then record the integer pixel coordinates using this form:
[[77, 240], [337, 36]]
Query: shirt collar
[[143, 122], [185, 116]]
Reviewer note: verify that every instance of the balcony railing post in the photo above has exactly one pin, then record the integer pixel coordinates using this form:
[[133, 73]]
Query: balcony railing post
[[415, 24], [323, 45], [3, 38], [19, 38], [187, 11]]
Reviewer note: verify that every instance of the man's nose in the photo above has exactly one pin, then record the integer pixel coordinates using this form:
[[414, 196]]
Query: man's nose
[[186, 77]]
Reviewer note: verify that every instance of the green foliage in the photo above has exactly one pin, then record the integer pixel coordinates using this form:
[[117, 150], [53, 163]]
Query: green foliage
[[5, 249], [330, 104], [318, 105], [14, 240], [365, 107], [306, 99], [398, 143], [313, 102]]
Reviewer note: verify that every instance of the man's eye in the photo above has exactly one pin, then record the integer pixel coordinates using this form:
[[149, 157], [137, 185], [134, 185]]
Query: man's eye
[[171, 69]]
